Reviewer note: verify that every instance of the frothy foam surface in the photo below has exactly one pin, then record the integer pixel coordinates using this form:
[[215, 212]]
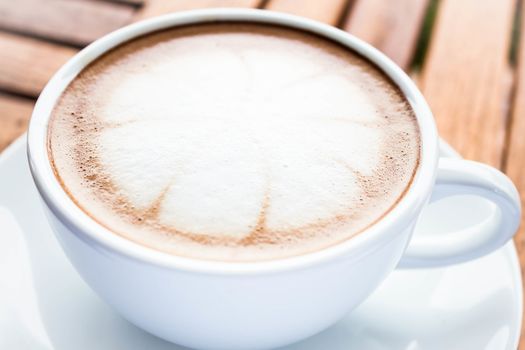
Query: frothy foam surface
[[235, 142]]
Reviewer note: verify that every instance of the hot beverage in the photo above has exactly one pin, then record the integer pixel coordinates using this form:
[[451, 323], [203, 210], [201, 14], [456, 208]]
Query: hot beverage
[[234, 142]]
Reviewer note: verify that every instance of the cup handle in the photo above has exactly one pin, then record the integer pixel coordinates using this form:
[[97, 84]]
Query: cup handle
[[464, 177]]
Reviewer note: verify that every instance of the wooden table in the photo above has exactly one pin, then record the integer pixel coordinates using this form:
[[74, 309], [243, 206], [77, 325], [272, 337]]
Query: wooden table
[[466, 56]]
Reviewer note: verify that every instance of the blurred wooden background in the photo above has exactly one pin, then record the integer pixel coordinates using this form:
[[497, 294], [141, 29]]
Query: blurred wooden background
[[467, 56]]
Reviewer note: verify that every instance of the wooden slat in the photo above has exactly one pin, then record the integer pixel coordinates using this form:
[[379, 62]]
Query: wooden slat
[[72, 21], [327, 11], [465, 76], [132, 2], [14, 115], [27, 64], [153, 8], [391, 26], [515, 160]]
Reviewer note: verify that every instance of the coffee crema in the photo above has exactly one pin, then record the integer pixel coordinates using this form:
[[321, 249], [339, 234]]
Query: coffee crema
[[234, 142]]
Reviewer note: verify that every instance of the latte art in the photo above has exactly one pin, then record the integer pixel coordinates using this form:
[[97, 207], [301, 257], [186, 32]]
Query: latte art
[[234, 142]]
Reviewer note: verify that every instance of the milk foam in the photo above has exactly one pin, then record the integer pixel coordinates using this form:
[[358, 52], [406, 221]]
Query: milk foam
[[234, 142]]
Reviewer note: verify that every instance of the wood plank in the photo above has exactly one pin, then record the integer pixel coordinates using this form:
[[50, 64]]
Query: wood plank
[[153, 8], [131, 2], [14, 116], [327, 11], [70, 21], [515, 158], [27, 64], [465, 76], [391, 26]]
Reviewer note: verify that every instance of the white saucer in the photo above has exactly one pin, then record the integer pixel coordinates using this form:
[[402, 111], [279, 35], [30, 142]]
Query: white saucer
[[44, 305]]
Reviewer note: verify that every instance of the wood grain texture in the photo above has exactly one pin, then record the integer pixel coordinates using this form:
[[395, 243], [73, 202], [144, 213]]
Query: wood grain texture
[[14, 116], [27, 64], [70, 21], [153, 8], [466, 75], [391, 26], [515, 160], [327, 11], [131, 2]]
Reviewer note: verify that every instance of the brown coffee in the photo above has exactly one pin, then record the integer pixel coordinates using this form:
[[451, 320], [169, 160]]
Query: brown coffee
[[234, 142]]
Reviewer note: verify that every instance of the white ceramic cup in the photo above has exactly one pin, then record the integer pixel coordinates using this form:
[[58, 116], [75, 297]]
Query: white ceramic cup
[[259, 305]]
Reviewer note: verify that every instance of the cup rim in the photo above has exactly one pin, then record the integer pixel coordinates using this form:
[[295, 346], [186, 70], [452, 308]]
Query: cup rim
[[79, 223]]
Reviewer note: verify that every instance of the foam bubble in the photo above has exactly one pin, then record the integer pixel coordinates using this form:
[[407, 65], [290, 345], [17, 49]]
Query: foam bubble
[[234, 142]]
